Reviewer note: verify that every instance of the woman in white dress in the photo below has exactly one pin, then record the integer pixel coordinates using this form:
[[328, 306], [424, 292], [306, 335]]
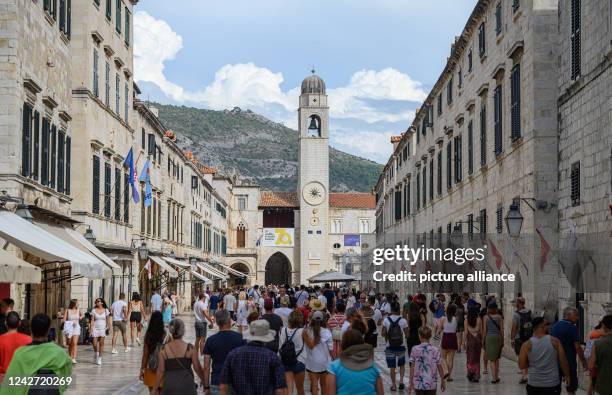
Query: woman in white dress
[[72, 327], [242, 313], [319, 344], [98, 326]]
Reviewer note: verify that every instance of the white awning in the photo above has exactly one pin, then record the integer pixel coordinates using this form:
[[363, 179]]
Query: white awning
[[233, 271], [206, 268], [15, 270], [116, 269], [176, 262], [164, 266], [62, 233], [200, 277], [43, 244]]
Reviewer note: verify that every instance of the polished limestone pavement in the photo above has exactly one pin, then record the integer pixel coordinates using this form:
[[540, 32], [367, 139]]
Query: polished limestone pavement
[[119, 372]]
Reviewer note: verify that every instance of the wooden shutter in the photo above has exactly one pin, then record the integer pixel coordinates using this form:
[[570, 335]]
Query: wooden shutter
[[483, 135], [424, 185], [151, 145], [127, 26], [449, 165], [95, 206], [515, 93], [470, 147], [109, 9], [498, 19], [575, 38], [53, 149], [497, 104], [575, 184], [26, 140], [240, 237], [62, 16], [107, 84], [126, 198], [69, 18], [44, 157], [499, 219], [107, 190], [36, 145], [482, 44], [431, 179], [440, 173], [61, 169], [418, 191], [117, 194], [68, 164], [408, 198], [96, 91], [118, 17], [398, 205], [483, 221]]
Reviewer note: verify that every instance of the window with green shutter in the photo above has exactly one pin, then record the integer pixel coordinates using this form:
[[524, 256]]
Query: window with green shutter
[[109, 10], [36, 146], [418, 191], [117, 194], [449, 165], [458, 159], [515, 99], [61, 163], [440, 173], [128, 17], [68, 164], [470, 147], [118, 17], [483, 134], [95, 179], [431, 179], [424, 186], [497, 117], [575, 38], [126, 197], [53, 155], [482, 43], [107, 190], [44, 155], [26, 135]]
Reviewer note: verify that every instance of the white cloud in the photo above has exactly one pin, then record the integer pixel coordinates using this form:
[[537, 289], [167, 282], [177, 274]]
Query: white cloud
[[370, 96]]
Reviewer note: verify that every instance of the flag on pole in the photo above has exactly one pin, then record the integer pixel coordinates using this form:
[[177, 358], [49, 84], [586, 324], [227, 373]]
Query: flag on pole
[[129, 162], [496, 254], [544, 250], [145, 176], [148, 267]]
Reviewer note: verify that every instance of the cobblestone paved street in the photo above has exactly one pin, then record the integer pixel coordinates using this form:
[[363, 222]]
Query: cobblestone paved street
[[119, 373]]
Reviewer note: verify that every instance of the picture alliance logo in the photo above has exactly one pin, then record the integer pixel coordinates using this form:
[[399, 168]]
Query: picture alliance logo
[[411, 255]]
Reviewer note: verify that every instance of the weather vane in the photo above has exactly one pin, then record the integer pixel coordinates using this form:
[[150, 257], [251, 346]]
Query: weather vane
[[313, 69]]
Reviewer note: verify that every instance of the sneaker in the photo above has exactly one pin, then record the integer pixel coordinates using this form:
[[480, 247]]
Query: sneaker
[[114, 351], [127, 349], [99, 361], [74, 361]]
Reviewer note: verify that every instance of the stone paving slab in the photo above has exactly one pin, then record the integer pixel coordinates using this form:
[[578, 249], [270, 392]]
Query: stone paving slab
[[119, 373]]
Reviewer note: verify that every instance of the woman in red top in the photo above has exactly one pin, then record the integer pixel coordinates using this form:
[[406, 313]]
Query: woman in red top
[[334, 324]]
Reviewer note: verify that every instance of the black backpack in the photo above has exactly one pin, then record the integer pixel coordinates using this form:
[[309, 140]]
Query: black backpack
[[432, 306], [395, 334], [371, 333], [525, 327], [287, 351]]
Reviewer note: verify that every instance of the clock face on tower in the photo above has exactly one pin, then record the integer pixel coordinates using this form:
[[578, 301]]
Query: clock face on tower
[[314, 193]]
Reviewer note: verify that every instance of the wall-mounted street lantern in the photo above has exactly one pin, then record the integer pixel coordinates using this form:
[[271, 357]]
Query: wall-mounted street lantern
[[514, 219], [457, 234], [21, 210], [89, 235], [143, 251]]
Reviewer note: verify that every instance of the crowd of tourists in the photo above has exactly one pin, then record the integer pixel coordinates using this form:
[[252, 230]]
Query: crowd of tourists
[[320, 340]]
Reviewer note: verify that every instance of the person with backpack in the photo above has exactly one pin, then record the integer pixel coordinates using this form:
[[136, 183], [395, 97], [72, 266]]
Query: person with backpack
[[521, 331], [394, 329], [371, 335], [292, 352], [154, 340], [318, 341]]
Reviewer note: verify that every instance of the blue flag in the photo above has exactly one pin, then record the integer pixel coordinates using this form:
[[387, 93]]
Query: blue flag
[[145, 175], [129, 162]]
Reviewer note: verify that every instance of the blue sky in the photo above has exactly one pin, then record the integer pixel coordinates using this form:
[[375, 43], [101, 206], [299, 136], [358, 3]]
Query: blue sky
[[378, 57]]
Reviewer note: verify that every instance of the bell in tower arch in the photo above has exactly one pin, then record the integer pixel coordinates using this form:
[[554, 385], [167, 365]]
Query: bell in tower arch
[[314, 130]]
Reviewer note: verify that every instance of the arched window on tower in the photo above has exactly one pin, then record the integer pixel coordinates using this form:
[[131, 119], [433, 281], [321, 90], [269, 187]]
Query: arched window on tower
[[241, 236], [314, 126]]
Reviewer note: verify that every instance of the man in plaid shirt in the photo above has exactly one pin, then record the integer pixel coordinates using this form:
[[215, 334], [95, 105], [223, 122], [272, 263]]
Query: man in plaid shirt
[[254, 369]]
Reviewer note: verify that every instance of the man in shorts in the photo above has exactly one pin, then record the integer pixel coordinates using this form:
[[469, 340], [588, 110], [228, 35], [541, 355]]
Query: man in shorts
[[394, 330], [200, 311], [119, 313]]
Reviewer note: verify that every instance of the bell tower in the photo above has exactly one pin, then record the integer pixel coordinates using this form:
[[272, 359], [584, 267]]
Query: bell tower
[[313, 177]]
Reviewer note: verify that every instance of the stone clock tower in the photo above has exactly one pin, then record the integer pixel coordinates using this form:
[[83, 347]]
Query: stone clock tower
[[313, 178]]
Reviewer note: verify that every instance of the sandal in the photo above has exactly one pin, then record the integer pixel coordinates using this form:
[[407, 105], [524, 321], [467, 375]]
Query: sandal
[[449, 379], [393, 388], [401, 386], [495, 381]]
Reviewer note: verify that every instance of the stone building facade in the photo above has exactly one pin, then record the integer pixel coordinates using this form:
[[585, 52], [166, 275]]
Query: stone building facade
[[518, 120]]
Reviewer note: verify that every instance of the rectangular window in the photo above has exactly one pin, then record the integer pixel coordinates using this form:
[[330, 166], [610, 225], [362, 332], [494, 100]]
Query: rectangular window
[[482, 43], [498, 19], [431, 179], [439, 104], [575, 38], [126, 197], [458, 159], [418, 191], [62, 16], [398, 204], [483, 135], [515, 110], [516, 4], [498, 219], [53, 155], [95, 73], [109, 9], [127, 26], [424, 185], [575, 184], [36, 146], [430, 115], [143, 213], [107, 84], [151, 144], [95, 206], [117, 93], [26, 137], [440, 173], [44, 155], [107, 190], [127, 104], [149, 219], [470, 147], [242, 202], [117, 194], [459, 78], [470, 60], [143, 143], [118, 17], [407, 198], [449, 165], [61, 160], [159, 211], [424, 125], [449, 92], [497, 108], [482, 222], [68, 164]]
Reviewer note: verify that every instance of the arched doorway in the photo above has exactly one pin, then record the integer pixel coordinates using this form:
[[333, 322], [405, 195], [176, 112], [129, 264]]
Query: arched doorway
[[237, 280], [278, 269]]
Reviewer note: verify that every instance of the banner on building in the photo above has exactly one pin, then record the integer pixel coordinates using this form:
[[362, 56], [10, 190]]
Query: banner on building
[[278, 237], [352, 240]]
